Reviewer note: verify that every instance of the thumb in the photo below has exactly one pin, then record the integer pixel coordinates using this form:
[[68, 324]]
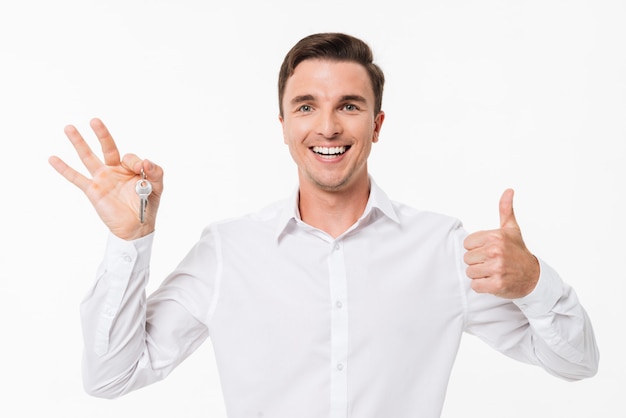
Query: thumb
[[507, 216]]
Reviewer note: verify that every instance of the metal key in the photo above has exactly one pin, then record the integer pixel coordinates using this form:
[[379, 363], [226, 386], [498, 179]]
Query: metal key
[[143, 189]]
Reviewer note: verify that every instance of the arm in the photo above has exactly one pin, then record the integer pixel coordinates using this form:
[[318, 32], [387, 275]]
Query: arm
[[563, 334], [548, 328], [520, 305], [129, 342]]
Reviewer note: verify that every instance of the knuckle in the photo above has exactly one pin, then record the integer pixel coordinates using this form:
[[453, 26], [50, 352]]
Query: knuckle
[[498, 286], [498, 266], [495, 252], [497, 236]]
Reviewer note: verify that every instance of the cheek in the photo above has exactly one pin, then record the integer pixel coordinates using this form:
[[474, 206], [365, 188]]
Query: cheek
[[294, 133], [368, 136], [362, 127]]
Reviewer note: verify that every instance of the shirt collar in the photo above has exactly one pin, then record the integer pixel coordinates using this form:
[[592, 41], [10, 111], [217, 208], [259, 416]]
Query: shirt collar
[[378, 201]]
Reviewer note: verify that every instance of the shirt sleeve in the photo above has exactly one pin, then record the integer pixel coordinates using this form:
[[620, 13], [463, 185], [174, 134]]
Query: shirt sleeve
[[130, 340], [565, 342], [549, 327]]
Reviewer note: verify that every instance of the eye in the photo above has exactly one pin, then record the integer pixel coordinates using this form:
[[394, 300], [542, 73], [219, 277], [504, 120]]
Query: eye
[[305, 108], [351, 107]]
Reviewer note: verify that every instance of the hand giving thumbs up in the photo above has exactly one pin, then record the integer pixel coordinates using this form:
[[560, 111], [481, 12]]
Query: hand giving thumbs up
[[498, 260]]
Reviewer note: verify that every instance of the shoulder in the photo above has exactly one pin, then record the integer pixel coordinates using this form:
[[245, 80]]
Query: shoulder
[[264, 221], [412, 217]]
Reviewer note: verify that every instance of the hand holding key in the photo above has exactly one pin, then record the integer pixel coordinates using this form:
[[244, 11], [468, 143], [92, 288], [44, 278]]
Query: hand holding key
[[119, 189]]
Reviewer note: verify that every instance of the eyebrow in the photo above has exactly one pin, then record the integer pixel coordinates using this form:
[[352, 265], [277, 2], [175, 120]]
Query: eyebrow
[[353, 98], [345, 98], [302, 98]]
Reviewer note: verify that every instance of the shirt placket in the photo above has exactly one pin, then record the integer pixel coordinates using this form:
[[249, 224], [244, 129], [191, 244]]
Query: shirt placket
[[339, 332]]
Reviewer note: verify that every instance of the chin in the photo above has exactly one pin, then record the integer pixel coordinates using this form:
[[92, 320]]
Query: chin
[[335, 185]]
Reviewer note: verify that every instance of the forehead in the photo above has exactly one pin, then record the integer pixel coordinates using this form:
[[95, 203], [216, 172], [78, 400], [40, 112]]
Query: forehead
[[326, 78]]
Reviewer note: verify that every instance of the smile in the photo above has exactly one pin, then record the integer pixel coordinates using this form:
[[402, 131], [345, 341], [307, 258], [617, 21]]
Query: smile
[[330, 152]]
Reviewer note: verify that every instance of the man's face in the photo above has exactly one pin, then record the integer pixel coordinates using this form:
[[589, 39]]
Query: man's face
[[329, 123]]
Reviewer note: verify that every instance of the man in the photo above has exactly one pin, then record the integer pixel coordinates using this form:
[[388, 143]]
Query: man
[[337, 302]]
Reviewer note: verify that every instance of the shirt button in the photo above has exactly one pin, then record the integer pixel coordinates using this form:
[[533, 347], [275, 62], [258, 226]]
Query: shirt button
[[339, 305], [127, 259], [337, 247], [340, 367]]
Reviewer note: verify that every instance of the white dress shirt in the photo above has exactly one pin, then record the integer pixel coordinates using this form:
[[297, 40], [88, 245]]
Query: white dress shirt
[[304, 325]]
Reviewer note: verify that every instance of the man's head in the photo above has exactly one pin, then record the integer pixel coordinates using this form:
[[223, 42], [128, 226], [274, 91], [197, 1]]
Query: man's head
[[334, 47], [330, 94]]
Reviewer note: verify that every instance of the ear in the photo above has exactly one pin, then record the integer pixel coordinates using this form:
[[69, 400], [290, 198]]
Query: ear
[[378, 124], [282, 123]]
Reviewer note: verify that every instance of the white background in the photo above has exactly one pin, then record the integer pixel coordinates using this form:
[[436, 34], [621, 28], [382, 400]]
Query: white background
[[481, 95]]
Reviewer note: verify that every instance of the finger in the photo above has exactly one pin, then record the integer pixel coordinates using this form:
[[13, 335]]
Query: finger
[[133, 163], [476, 240], [109, 149], [474, 257], [507, 216], [478, 271], [86, 155], [153, 172], [69, 173], [482, 285]]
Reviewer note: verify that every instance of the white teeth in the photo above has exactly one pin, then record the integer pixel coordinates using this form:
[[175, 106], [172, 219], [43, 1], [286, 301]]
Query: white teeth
[[330, 150]]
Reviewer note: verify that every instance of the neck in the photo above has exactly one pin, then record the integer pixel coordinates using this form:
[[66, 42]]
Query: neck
[[333, 211]]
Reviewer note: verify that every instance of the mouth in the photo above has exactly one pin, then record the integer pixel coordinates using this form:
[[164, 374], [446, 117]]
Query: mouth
[[330, 152]]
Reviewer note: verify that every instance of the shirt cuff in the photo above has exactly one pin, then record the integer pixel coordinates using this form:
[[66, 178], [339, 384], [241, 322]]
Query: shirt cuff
[[136, 252], [545, 295]]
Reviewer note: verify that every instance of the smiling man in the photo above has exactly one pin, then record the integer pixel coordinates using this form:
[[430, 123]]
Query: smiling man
[[337, 302]]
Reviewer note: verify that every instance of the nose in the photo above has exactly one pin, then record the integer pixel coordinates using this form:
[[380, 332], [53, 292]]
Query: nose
[[329, 124]]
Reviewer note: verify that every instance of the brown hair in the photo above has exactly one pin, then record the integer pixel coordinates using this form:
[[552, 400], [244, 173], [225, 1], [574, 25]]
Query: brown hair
[[336, 47]]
